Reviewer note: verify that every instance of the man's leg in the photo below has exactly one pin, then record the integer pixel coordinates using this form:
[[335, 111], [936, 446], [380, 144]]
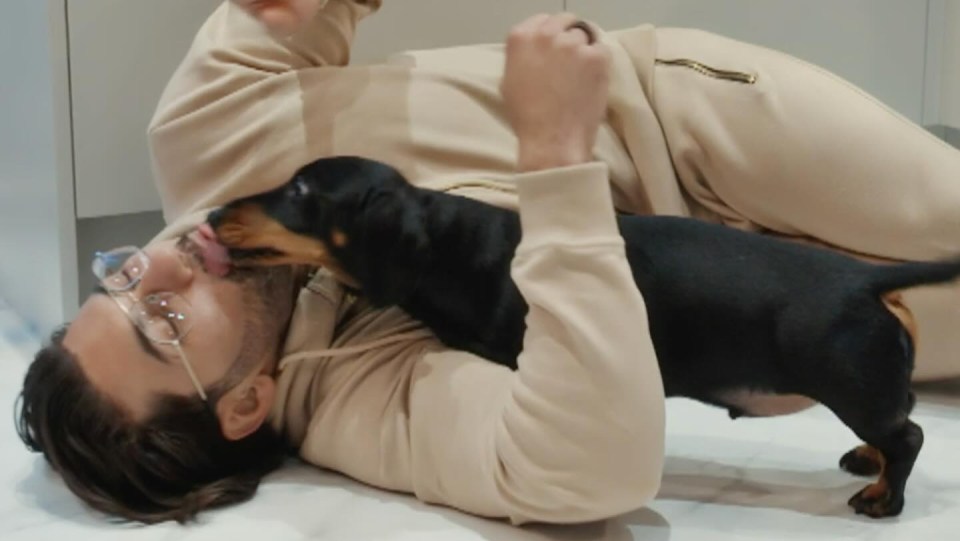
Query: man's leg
[[761, 137]]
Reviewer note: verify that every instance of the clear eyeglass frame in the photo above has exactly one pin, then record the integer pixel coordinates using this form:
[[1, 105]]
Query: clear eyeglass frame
[[163, 317]]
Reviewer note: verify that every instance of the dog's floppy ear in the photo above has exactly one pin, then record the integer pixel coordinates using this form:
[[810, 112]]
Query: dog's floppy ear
[[396, 247]]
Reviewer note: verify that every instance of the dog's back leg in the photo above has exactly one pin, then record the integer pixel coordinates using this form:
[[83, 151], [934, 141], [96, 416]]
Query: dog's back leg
[[866, 460], [899, 449], [869, 390]]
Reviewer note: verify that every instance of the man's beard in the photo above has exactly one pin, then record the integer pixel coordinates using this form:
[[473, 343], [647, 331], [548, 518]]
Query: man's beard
[[268, 295]]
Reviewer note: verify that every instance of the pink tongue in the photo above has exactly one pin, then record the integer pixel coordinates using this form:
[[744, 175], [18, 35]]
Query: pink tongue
[[216, 259]]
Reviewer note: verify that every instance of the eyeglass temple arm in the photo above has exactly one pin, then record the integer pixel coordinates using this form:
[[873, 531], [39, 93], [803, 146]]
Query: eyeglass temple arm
[[190, 372]]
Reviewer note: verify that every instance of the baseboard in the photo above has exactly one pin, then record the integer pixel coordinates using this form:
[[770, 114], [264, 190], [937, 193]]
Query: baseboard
[[947, 133], [951, 135], [107, 232]]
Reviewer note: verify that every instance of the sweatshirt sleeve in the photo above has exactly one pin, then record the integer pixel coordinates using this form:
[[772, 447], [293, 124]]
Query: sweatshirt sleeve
[[232, 51], [235, 96], [577, 432], [230, 35]]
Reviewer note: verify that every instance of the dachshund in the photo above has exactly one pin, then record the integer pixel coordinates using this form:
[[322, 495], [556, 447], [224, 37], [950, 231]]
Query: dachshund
[[729, 312]]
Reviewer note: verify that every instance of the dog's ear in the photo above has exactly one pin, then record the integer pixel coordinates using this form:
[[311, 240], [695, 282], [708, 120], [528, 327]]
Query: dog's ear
[[396, 247]]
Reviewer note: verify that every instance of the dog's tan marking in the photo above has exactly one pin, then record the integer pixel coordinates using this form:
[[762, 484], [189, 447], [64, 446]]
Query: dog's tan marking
[[877, 491], [340, 239], [246, 227], [893, 300], [756, 404], [894, 303], [871, 453]]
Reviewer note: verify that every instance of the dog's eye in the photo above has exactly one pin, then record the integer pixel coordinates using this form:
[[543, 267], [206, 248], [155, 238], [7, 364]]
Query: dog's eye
[[299, 188]]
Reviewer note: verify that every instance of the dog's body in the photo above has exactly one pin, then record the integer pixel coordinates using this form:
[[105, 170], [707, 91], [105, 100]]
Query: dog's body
[[729, 312]]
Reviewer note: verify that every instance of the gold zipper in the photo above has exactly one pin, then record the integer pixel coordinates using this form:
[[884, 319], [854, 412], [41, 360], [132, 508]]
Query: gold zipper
[[477, 185], [726, 75]]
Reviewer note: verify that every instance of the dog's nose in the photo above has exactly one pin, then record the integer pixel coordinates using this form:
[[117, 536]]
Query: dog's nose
[[215, 218]]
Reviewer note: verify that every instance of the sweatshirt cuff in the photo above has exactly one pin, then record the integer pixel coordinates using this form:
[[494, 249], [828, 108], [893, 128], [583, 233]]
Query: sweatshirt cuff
[[566, 205]]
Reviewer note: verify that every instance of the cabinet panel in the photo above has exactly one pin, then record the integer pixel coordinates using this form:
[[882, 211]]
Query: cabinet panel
[[950, 89], [879, 45], [122, 53]]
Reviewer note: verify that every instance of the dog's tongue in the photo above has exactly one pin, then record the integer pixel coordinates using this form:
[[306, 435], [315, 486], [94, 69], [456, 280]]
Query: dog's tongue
[[216, 259]]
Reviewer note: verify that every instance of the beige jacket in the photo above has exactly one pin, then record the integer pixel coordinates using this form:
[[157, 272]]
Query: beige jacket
[[576, 433]]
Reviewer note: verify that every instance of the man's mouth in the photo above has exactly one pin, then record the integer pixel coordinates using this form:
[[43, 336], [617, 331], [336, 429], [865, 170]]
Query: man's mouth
[[202, 244]]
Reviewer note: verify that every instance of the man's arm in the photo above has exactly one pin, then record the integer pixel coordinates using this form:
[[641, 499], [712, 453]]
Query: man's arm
[[577, 435], [577, 432], [233, 50], [231, 115]]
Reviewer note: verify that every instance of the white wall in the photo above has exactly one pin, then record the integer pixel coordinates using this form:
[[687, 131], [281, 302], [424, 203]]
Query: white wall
[[34, 155], [950, 74]]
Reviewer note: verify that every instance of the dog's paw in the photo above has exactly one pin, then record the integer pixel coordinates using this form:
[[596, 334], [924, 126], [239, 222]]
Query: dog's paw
[[877, 501], [863, 460]]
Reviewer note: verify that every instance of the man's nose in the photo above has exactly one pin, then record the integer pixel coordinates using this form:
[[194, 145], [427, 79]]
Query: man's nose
[[170, 270]]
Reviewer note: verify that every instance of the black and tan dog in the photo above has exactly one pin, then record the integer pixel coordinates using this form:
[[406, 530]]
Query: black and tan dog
[[729, 312]]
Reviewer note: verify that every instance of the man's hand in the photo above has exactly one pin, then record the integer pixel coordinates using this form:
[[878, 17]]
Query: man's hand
[[283, 17], [555, 88]]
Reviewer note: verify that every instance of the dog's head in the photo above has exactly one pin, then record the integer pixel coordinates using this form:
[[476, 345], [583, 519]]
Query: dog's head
[[358, 218]]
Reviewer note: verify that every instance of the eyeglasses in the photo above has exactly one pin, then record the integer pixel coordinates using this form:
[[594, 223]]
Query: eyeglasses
[[163, 317]]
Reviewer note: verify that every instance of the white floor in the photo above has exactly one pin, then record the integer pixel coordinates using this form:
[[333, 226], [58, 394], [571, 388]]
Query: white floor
[[773, 479]]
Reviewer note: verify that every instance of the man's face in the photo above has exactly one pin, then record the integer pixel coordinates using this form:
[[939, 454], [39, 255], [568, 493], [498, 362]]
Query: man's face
[[237, 318]]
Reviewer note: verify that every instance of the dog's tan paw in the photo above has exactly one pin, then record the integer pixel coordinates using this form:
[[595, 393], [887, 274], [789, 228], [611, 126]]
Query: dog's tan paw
[[864, 461], [877, 501]]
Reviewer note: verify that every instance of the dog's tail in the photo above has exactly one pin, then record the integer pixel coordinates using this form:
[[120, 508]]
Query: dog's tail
[[887, 278]]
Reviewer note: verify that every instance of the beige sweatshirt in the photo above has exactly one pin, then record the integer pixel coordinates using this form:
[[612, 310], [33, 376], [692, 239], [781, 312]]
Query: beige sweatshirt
[[576, 433]]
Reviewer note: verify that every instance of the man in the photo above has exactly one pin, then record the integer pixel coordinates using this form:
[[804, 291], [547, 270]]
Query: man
[[149, 422]]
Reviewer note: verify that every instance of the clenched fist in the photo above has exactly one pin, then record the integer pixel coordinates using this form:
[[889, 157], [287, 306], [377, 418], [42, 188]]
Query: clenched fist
[[555, 87]]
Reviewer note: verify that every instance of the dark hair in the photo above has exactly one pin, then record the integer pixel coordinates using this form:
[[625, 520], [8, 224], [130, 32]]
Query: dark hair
[[169, 467]]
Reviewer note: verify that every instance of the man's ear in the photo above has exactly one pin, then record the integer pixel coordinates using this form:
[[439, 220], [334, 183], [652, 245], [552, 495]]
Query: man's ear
[[244, 409]]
